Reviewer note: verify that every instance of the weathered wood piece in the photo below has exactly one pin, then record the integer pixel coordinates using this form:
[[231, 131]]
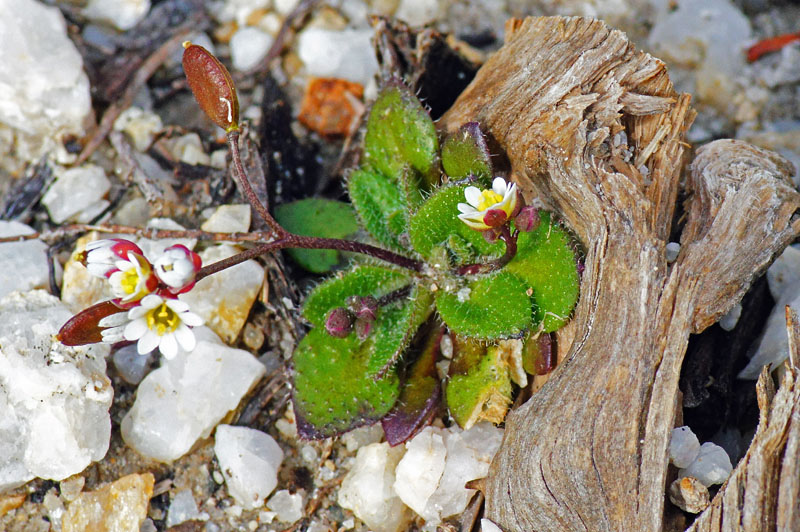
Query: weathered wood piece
[[595, 129]]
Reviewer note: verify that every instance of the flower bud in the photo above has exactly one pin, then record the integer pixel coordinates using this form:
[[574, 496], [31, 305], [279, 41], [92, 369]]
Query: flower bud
[[495, 217], [364, 307], [363, 328], [528, 219], [212, 86], [339, 322], [177, 267]]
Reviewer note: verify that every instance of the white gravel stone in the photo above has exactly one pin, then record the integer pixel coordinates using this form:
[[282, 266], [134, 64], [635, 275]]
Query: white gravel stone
[[418, 12], [683, 446], [344, 54], [712, 465], [249, 46], [288, 507], [45, 92], [489, 526], [228, 219], [224, 299], [783, 276], [54, 399], [672, 250], [184, 399], [239, 10], [189, 149], [731, 318], [368, 491], [75, 190], [140, 125], [131, 366], [123, 14], [250, 460], [362, 436], [182, 508], [437, 464], [154, 248], [23, 265]]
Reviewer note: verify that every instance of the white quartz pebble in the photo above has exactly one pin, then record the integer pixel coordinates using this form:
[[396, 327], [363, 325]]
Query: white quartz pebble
[[712, 465], [249, 460], [228, 219], [75, 190], [184, 399], [248, 47], [23, 264], [54, 399], [288, 507], [182, 508], [683, 446], [123, 14], [346, 54], [367, 489]]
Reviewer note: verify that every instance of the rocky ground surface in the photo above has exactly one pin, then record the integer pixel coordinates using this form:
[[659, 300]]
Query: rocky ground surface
[[209, 443]]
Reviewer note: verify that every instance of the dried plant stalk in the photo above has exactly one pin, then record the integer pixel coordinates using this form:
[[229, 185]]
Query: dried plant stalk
[[595, 128]]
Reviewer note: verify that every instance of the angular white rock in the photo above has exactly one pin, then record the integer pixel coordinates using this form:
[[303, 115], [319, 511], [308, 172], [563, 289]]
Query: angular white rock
[[228, 219], [712, 465], [224, 299], [343, 54], [45, 92], [418, 12], [154, 248], [489, 526], [140, 125], [683, 446], [23, 265], [287, 506], [123, 14], [239, 10], [54, 399], [75, 190], [249, 46], [249, 460], [783, 275], [368, 491], [731, 318], [437, 464], [182, 508], [184, 399]]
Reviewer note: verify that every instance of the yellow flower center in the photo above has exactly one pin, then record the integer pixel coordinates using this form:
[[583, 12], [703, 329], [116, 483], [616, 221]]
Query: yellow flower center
[[489, 198], [129, 281], [162, 319]]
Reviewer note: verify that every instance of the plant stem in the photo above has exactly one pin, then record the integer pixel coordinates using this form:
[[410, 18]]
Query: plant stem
[[290, 240], [485, 267], [247, 190]]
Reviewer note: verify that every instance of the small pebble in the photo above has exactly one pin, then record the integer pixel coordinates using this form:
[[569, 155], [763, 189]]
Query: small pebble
[[683, 447], [672, 250], [248, 47], [712, 465], [489, 526], [182, 508], [74, 190], [288, 507], [130, 365], [123, 14], [250, 460], [71, 487], [731, 318]]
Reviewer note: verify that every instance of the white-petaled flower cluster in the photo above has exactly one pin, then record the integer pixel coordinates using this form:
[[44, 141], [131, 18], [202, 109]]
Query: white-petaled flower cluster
[[146, 294], [486, 209]]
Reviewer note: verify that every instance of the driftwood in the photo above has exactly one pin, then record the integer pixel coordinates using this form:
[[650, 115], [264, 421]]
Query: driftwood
[[595, 129]]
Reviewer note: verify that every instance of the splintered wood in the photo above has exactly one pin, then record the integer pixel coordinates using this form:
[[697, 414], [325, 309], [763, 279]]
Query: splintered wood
[[594, 128]]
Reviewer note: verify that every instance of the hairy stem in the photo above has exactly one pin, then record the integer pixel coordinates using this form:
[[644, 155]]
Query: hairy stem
[[244, 183], [485, 267], [290, 240]]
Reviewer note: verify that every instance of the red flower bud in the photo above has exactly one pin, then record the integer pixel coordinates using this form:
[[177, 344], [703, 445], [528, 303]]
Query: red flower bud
[[339, 322], [495, 217], [212, 86], [528, 219]]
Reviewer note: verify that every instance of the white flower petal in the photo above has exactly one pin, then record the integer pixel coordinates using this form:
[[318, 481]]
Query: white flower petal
[[185, 337], [151, 301], [135, 329], [177, 305], [99, 270], [136, 312], [168, 346], [473, 195], [148, 342], [191, 319], [124, 265], [114, 319], [474, 220], [113, 335], [466, 208], [499, 186]]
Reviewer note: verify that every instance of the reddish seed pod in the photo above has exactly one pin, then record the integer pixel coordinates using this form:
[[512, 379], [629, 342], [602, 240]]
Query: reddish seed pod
[[212, 86], [339, 322], [83, 328]]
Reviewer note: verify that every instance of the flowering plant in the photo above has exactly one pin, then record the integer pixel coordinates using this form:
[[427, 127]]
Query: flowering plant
[[465, 283]]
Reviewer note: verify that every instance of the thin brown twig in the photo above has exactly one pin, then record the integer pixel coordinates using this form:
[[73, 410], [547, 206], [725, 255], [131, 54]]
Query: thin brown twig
[[145, 71], [69, 230]]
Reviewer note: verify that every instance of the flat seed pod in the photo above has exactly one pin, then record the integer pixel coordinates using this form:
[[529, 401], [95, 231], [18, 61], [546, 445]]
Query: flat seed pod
[[212, 86]]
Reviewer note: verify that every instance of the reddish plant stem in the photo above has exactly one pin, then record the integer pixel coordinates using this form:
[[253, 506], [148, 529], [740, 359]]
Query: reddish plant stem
[[485, 267], [289, 240], [247, 190]]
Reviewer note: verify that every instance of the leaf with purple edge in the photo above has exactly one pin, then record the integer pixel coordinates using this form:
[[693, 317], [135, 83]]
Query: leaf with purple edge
[[420, 396]]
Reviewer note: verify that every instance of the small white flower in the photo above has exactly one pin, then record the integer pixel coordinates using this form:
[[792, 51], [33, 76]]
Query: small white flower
[[132, 279], [162, 323], [101, 256], [501, 198], [177, 267]]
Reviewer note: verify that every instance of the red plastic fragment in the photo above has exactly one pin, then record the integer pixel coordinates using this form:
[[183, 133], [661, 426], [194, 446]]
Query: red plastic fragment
[[773, 44]]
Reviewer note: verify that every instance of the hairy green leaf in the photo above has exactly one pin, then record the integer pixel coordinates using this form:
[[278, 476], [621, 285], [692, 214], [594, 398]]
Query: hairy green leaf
[[400, 135], [546, 262], [379, 202], [436, 222], [321, 218], [494, 306], [333, 390], [483, 392], [465, 154], [364, 280]]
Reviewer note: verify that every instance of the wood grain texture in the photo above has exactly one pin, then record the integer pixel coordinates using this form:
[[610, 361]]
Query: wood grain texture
[[594, 128]]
